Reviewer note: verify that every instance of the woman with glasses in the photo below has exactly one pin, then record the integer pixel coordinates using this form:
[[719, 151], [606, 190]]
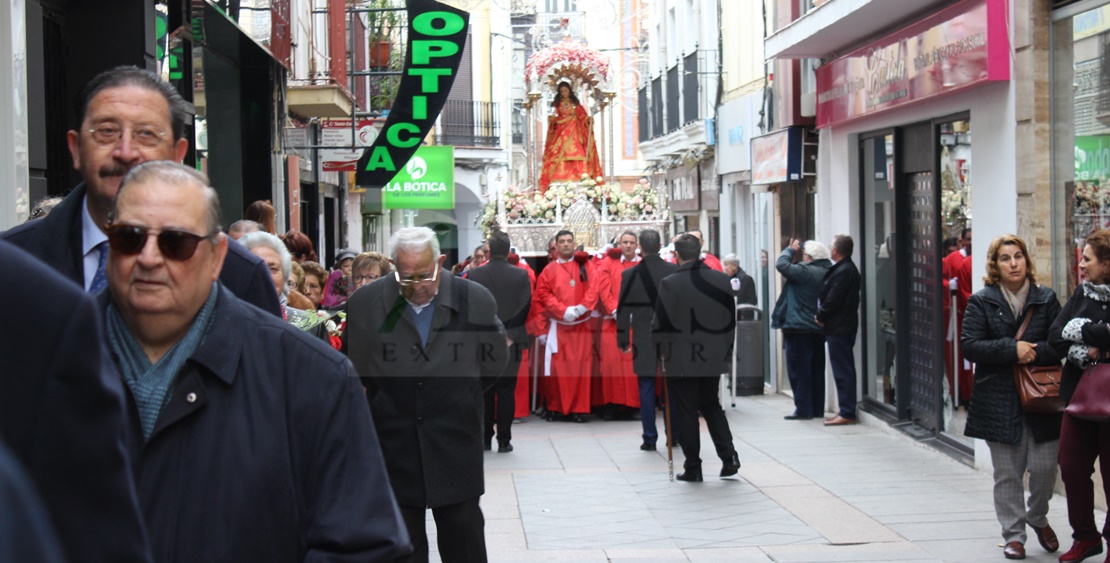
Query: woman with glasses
[[368, 267]]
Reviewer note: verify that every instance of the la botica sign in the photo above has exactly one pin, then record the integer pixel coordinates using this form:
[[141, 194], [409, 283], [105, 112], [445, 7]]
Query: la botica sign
[[426, 181], [959, 47]]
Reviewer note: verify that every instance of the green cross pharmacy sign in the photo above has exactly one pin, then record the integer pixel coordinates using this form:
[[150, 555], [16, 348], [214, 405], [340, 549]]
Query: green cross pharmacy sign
[[427, 181]]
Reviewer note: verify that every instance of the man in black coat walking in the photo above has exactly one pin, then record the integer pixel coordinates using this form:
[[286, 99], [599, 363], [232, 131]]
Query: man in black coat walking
[[838, 314], [62, 413], [126, 116], [427, 346], [694, 322], [513, 292], [635, 310]]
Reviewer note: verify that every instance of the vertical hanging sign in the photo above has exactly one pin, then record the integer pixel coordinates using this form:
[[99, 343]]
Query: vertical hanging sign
[[437, 35]]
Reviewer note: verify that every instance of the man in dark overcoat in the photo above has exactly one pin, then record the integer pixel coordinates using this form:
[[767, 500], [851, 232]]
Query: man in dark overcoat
[[510, 287], [125, 116], [252, 440], [694, 322], [427, 345], [838, 314], [61, 412], [635, 311]]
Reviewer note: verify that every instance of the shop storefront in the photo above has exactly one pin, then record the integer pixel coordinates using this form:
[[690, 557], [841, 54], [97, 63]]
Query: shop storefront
[[1080, 39], [896, 120]]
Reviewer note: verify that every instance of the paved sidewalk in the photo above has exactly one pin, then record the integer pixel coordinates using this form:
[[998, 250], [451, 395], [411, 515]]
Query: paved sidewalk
[[806, 493]]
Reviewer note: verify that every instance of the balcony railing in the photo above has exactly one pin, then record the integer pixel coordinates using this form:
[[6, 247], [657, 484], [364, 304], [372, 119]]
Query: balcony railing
[[465, 123]]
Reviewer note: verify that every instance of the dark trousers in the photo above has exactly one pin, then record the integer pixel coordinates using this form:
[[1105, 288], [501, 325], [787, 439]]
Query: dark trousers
[[501, 401], [689, 395], [805, 367], [460, 531], [844, 371], [1081, 441], [647, 407]]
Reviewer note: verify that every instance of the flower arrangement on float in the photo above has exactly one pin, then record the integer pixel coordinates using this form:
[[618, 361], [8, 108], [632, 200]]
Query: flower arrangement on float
[[566, 52], [525, 206]]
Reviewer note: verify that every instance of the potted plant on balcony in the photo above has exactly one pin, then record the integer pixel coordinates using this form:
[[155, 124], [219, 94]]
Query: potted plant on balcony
[[381, 22]]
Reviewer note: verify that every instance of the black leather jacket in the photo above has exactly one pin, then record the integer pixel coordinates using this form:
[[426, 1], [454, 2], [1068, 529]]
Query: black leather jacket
[[987, 339]]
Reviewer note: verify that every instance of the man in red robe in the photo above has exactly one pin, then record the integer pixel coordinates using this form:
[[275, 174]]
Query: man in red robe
[[709, 259], [524, 374], [950, 272], [619, 387], [566, 292]]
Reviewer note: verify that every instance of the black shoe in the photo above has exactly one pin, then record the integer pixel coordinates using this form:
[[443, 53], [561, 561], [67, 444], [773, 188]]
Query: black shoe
[[504, 448], [609, 412], [578, 418], [797, 416], [690, 476], [731, 466], [647, 446]]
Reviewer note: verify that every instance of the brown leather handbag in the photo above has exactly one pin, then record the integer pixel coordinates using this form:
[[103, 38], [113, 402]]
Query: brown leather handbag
[[1038, 386]]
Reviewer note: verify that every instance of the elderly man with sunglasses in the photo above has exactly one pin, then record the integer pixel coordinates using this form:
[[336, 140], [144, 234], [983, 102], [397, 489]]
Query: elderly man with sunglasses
[[249, 445], [125, 116], [427, 345]]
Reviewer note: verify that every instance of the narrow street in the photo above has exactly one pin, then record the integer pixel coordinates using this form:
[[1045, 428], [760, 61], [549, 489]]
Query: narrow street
[[805, 493]]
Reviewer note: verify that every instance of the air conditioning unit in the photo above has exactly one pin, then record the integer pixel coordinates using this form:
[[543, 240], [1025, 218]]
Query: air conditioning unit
[[809, 104]]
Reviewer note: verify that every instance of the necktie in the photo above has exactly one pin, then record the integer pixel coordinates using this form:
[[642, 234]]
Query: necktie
[[100, 280]]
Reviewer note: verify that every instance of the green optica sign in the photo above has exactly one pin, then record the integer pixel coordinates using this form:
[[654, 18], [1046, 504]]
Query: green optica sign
[[427, 181]]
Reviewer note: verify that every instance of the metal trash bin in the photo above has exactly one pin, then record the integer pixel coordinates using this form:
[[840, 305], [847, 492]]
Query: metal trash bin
[[749, 350]]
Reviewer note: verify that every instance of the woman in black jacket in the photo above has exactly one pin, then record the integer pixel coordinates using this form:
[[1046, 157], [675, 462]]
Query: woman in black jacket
[[1018, 441], [1080, 334]]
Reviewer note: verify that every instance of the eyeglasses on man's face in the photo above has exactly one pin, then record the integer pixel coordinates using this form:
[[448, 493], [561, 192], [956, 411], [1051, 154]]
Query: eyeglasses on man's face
[[110, 135], [416, 279]]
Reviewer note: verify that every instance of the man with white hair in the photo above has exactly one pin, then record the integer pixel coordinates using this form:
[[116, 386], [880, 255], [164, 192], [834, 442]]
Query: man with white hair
[[243, 227], [249, 445], [428, 345], [803, 340]]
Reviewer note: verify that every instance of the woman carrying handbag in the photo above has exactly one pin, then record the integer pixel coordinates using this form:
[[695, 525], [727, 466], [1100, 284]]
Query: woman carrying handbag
[[1011, 303], [1080, 333]]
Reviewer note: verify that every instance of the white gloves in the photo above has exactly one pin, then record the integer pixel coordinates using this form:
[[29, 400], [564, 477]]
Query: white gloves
[[572, 313], [954, 284], [735, 284], [542, 339]]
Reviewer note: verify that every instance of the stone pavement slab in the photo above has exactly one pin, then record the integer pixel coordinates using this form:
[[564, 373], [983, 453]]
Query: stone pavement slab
[[805, 493]]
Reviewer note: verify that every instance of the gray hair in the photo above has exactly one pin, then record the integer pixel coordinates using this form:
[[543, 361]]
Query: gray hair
[[242, 227], [731, 259], [170, 172], [263, 239], [414, 239], [816, 250]]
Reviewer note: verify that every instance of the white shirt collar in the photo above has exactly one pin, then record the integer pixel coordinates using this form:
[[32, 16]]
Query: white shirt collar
[[91, 235], [634, 259], [561, 261], [963, 252]]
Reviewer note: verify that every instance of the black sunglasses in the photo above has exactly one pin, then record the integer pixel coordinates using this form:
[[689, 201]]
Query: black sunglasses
[[129, 240]]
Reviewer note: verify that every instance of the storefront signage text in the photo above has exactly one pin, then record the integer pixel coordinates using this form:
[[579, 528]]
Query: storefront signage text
[[777, 157], [961, 46], [427, 181], [437, 35]]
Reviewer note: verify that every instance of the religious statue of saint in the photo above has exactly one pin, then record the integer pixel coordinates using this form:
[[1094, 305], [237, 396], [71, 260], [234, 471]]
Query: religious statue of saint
[[570, 150]]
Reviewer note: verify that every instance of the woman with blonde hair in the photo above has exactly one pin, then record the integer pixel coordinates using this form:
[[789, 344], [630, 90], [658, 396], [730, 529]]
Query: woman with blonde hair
[[1020, 442]]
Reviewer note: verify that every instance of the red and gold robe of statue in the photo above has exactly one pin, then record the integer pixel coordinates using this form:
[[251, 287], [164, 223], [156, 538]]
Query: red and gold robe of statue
[[619, 385], [569, 348], [570, 150]]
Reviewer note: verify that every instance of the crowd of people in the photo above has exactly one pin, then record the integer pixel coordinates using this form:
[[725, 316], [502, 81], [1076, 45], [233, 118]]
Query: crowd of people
[[326, 410]]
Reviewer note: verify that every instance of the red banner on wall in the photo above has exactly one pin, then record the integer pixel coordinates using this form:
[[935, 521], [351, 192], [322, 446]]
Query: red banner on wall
[[337, 41], [959, 47]]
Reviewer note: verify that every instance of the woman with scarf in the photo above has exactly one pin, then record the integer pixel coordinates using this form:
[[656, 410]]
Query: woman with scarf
[[1082, 335], [1019, 442]]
